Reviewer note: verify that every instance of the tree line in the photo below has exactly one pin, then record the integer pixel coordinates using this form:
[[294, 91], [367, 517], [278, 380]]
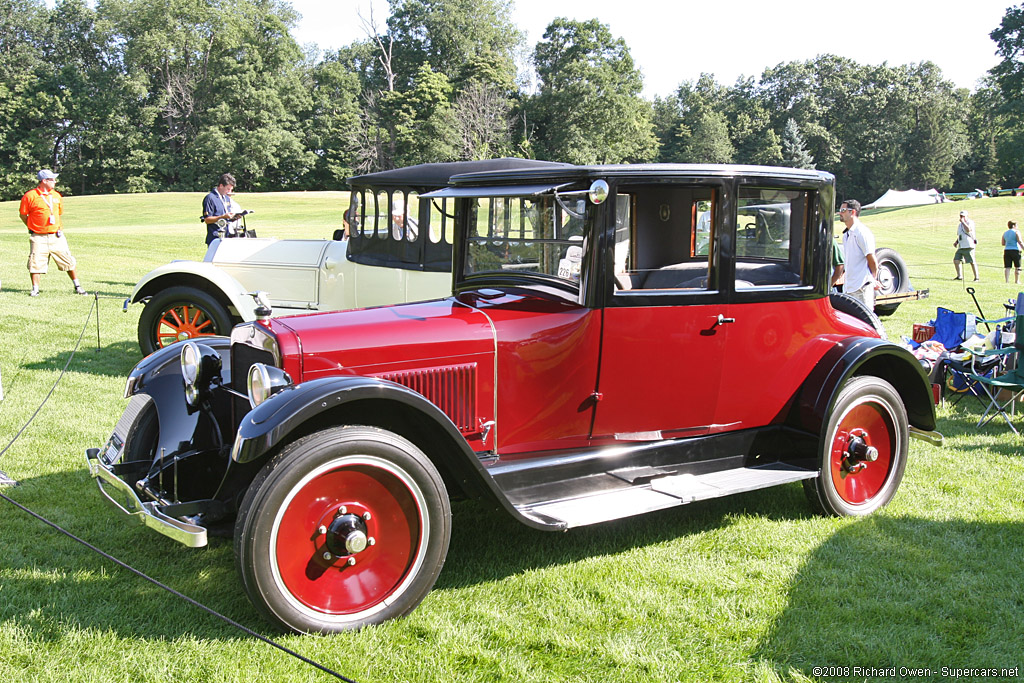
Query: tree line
[[148, 95]]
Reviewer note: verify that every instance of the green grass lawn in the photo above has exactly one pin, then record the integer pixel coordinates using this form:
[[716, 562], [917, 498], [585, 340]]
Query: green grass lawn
[[747, 588]]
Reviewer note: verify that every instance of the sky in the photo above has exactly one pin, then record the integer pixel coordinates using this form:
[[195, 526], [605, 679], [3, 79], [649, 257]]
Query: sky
[[676, 40]]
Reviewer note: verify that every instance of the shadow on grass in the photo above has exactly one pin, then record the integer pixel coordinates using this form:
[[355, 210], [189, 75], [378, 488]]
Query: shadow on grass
[[495, 546], [962, 420], [115, 359], [51, 583], [908, 592], [118, 290]]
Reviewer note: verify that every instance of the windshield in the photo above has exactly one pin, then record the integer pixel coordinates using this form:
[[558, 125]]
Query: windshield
[[525, 235]]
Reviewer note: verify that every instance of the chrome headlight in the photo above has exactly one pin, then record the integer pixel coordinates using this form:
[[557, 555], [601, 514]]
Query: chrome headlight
[[200, 365], [264, 381], [190, 357]]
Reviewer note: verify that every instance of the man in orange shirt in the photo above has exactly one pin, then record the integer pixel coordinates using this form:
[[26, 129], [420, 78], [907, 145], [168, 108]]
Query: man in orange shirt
[[41, 211]]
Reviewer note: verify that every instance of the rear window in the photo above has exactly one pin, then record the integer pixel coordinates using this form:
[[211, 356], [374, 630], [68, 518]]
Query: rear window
[[771, 237]]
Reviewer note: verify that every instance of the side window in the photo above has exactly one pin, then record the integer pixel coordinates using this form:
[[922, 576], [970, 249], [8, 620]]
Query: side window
[[664, 238], [376, 218], [404, 222], [771, 237], [441, 220], [356, 214]]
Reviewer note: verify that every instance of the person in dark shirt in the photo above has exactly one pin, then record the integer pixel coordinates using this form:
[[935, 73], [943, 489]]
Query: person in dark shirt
[[217, 206]]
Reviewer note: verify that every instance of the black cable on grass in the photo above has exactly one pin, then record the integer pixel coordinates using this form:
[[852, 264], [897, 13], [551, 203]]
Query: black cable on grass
[[178, 594], [59, 378], [118, 562]]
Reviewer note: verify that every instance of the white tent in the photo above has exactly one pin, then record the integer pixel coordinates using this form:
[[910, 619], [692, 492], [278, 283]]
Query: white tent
[[905, 198]]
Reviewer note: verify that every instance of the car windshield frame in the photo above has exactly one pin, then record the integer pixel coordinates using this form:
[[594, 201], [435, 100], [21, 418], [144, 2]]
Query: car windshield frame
[[534, 236]]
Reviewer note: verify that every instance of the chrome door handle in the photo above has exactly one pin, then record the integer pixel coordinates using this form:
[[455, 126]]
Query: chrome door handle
[[722, 320]]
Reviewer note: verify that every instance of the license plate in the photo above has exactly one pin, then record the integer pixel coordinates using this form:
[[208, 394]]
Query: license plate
[[112, 451]]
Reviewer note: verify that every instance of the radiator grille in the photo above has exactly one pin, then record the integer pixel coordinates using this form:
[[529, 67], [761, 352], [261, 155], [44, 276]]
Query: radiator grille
[[244, 357], [451, 388]]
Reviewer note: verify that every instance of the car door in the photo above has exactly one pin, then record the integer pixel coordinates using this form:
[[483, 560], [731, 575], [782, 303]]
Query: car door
[[666, 326], [776, 312]]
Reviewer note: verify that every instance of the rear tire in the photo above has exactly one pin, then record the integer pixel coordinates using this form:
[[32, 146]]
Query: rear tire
[[868, 409], [304, 517], [181, 313], [892, 276]]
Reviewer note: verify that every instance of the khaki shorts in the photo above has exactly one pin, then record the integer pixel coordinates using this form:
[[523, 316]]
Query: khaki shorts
[[866, 295], [43, 247], [965, 255]]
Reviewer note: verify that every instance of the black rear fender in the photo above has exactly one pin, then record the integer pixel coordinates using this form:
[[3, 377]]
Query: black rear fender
[[859, 356]]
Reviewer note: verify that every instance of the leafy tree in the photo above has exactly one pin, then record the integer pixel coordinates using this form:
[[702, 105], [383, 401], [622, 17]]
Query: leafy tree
[[224, 81], [750, 126], [463, 39], [252, 101], [24, 145], [1006, 115], [819, 95], [425, 126], [589, 108], [700, 133], [705, 141], [95, 121], [403, 128], [333, 125], [1009, 38]]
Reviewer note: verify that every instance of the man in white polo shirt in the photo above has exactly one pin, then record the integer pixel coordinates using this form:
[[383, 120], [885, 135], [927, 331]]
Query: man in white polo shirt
[[859, 254]]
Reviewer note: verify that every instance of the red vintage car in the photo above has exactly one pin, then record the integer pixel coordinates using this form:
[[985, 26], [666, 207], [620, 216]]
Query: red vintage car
[[619, 339]]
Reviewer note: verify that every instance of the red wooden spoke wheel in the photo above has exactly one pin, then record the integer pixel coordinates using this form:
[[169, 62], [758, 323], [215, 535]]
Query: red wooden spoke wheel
[[344, 528], [865, 449]]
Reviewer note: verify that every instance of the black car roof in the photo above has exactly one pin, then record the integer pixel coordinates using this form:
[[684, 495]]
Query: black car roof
[[438, 175], [569, 172]]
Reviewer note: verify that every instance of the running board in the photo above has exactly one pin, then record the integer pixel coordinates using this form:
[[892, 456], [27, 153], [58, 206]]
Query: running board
[[660, 492]]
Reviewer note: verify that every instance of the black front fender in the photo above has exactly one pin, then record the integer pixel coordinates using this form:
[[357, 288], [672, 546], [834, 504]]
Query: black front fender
[[159, 376], [855, 356], [270, 423], [291, 412]]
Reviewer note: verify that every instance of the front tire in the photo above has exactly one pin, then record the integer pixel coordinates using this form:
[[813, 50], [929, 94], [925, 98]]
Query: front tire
[[180, 313], [343, 528], [868, 413]]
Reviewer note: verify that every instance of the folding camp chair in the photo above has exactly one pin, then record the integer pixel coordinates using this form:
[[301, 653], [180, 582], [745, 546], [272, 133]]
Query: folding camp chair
[[1011, 381], [951, 329], [959, 373], [959, 376]]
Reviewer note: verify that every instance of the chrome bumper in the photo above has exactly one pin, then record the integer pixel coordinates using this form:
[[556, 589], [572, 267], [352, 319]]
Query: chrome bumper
[[127, 501], [934, 438]]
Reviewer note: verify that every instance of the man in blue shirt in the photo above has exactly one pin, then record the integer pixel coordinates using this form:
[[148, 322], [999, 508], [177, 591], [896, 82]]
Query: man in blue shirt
[[217, 206]]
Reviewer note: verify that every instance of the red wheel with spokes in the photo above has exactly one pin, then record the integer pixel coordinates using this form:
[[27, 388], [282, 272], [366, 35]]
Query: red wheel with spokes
[[178, 314], [864, 451], [343, 528]]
